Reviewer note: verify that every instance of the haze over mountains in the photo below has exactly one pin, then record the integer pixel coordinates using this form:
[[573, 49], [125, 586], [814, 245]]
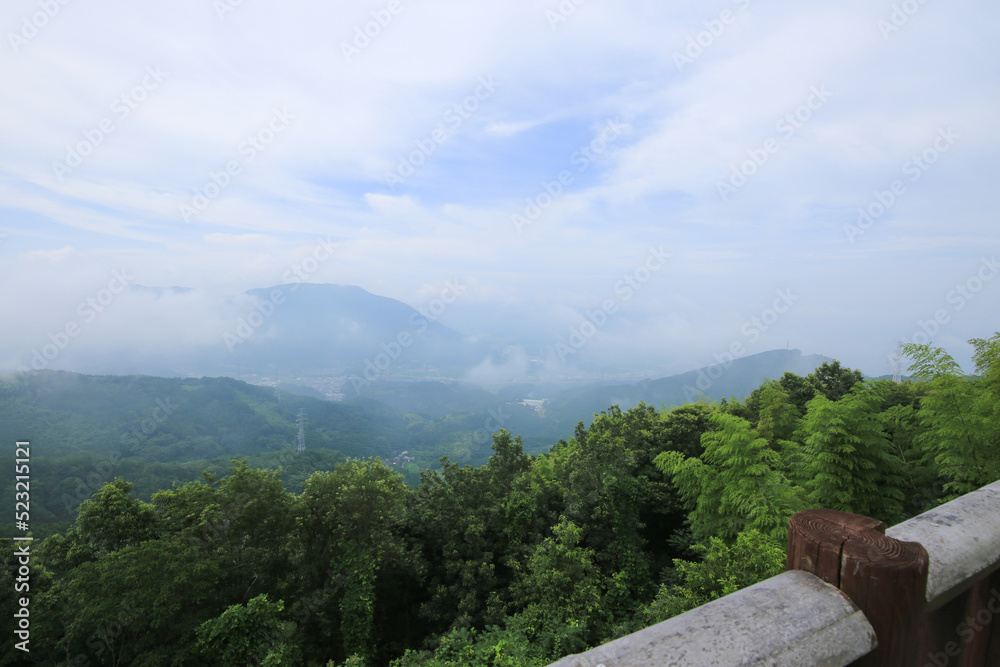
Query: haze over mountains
[[179, 421], [334, 341], [281, 331], [372, 375], [342, 343]]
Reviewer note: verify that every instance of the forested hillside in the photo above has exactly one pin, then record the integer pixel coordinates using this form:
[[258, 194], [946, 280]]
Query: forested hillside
[[638, 516], [87, 430]]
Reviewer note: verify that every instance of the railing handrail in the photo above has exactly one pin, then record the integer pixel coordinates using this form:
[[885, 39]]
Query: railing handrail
[[790, 620], [962, 538], [850, 582]]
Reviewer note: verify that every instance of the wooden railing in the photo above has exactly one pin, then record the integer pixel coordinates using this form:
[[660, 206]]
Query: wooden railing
[[924, 593]]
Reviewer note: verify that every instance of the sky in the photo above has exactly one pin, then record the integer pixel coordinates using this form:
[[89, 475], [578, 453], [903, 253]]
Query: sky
[[656, 185]]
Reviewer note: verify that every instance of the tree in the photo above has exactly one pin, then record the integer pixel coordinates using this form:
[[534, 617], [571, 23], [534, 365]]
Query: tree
[[850, 464], [833, 381], [605, 496], [735, 485], [151, 598], [778, 418], [112, 520], [723, 569], [247, 635], [349, 518], [683, 427], [799, 389], [960, 413], [560, 588], [245, 524]]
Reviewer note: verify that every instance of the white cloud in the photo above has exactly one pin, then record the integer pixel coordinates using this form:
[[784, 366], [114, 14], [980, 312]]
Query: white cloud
[[351, 121]]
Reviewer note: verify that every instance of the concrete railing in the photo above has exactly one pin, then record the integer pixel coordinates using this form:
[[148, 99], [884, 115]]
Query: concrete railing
[[925, 593], [793, 619]]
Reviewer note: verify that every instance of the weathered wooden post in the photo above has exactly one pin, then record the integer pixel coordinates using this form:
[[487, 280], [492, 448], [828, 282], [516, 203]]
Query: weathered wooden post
[[886, 578]]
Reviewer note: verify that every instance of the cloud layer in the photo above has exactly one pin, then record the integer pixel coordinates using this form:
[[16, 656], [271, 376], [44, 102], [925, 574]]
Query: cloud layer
[[533, 151]]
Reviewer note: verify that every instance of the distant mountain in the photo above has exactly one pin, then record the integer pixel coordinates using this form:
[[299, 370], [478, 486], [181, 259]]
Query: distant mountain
[[160, 291], [561, 409], [279, 332], [343, 327], [737, 378], [342, 342], [87, 430], [171, 419], [157, 431]]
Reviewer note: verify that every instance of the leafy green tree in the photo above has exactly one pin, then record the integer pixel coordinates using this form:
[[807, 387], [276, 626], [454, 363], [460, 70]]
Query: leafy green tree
[[46, 611], [605, 495], [902, 426], [683, 427], [561, 589], [960, 413], [834, 381], [778, 416], [723, 569], [850, 463], [455, 520], [350, 519], [111, 520], [735, 485], [986, 356], [151, 598], [467, 647], [475, 525], [778, 421], [245, 526], [799, 389], [253, 634]]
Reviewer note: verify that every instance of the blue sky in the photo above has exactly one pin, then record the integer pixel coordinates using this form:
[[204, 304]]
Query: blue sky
[[741, 137]]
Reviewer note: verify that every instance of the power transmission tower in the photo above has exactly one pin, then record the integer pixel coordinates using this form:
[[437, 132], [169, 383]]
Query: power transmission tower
[[301, 421], [897, 365]]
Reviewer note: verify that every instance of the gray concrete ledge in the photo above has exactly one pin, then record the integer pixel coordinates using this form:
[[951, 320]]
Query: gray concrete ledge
[[791, 620], [962, 539]]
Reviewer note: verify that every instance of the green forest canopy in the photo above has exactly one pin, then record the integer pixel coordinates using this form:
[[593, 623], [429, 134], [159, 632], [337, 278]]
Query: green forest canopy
[[637, 517]]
